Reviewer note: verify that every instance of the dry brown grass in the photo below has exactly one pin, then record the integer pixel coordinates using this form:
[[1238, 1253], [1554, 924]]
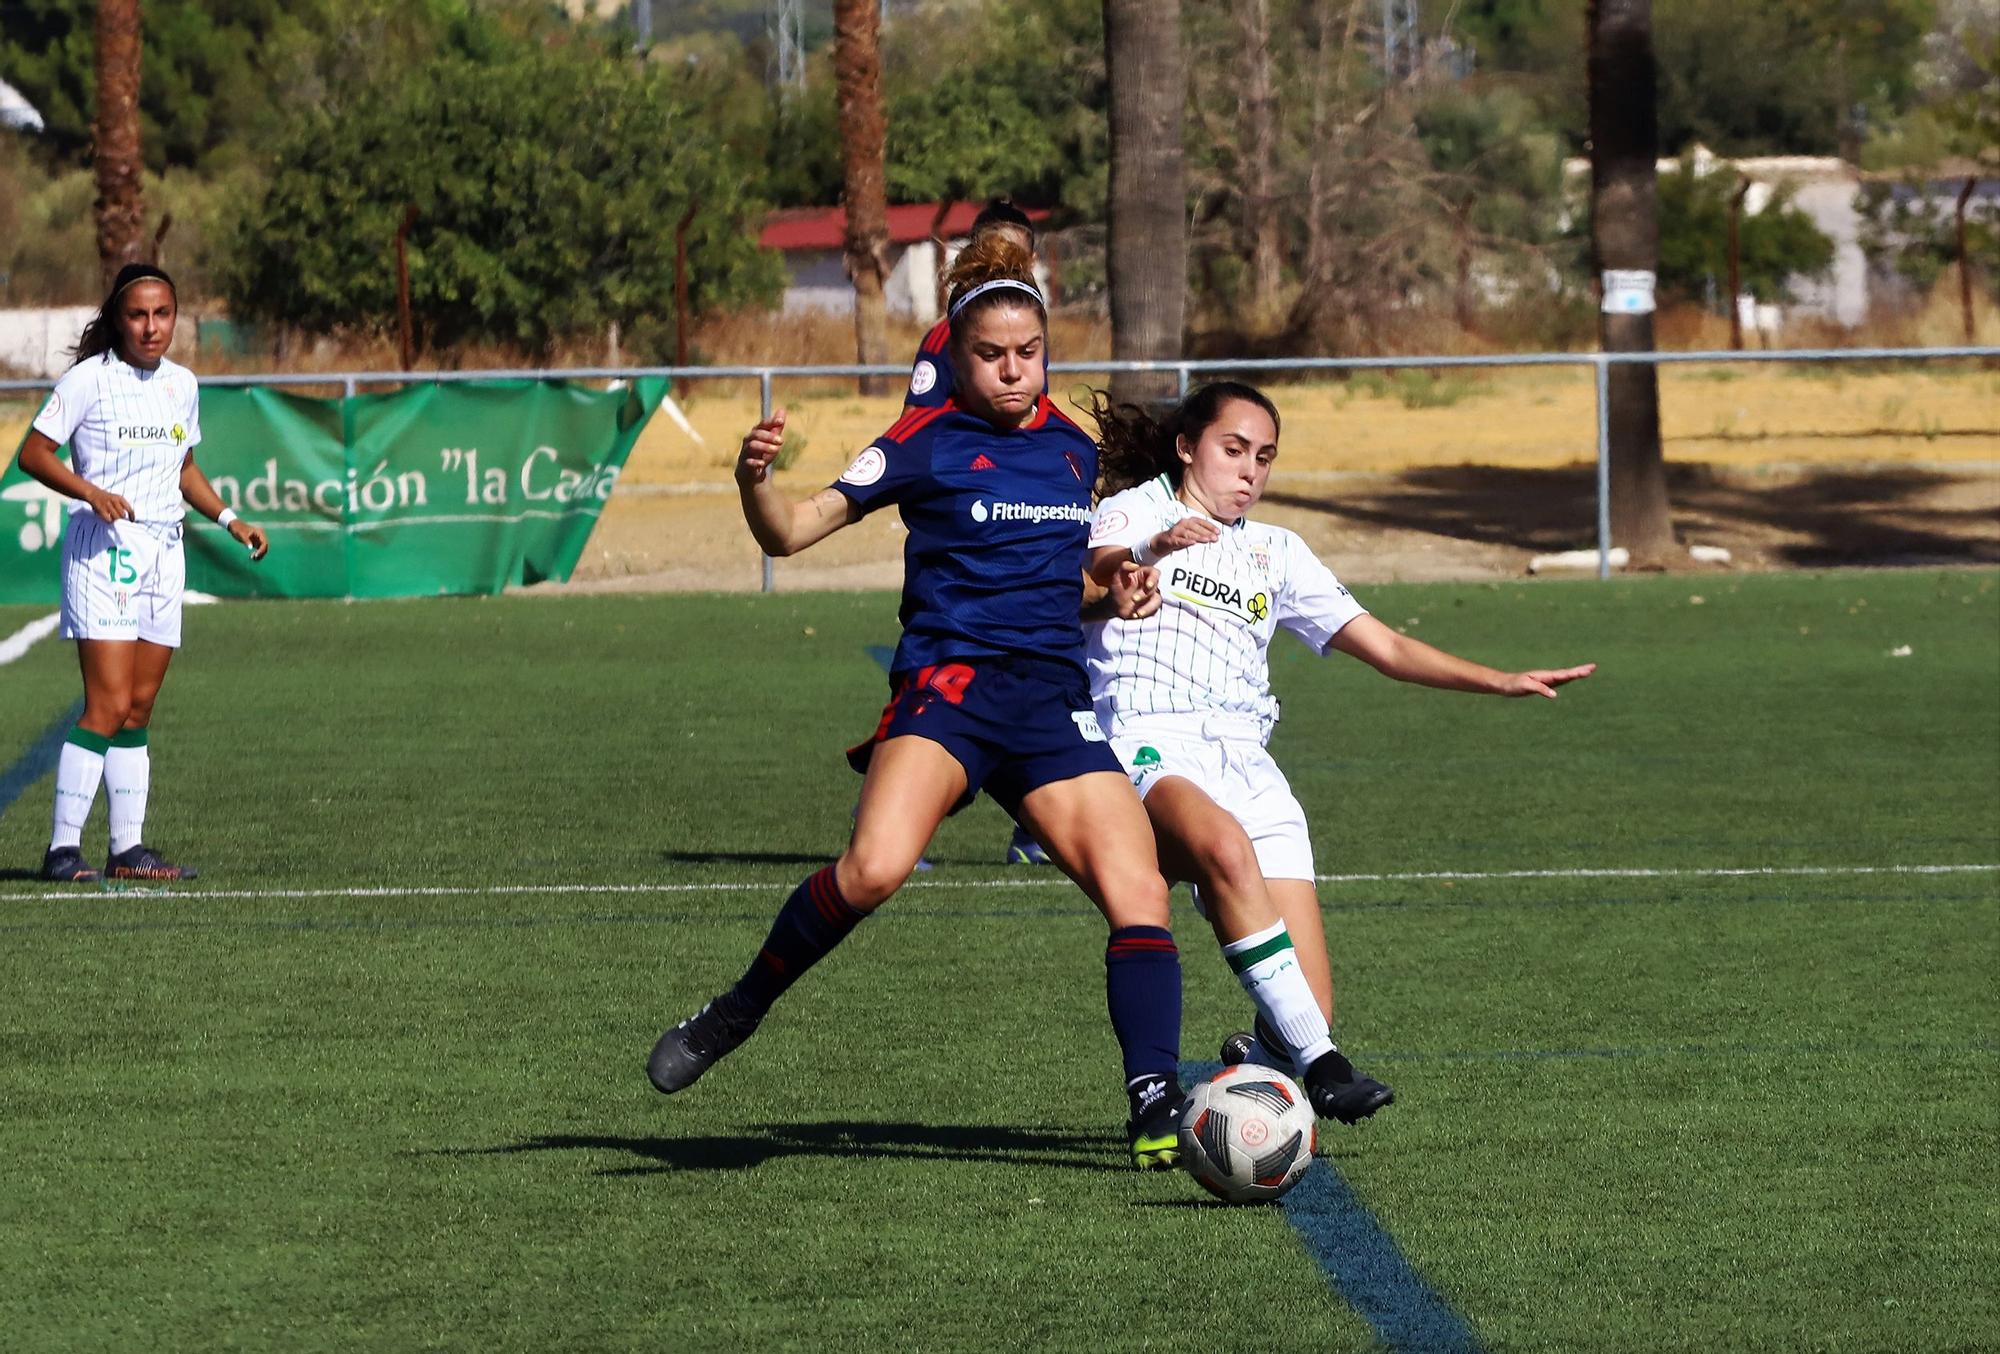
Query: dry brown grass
[[1524, 417], [1739, 416]]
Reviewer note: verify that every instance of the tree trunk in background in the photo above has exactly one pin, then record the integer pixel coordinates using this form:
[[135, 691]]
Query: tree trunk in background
[[857, 70], [1260, 203], [121, 224], [1624, 232], [1147, 238]]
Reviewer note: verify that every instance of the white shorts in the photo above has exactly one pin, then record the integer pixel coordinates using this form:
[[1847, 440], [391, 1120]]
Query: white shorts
[[1225, 757], [122, 580]]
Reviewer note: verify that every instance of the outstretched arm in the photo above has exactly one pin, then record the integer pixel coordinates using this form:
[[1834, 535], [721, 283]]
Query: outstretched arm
[[1412, 660], [783, 527]]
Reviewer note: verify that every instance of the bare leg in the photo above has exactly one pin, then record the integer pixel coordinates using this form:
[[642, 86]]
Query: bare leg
[[1202, 841], [110, 668], [149, 669], [912, 784], [1096, 832]]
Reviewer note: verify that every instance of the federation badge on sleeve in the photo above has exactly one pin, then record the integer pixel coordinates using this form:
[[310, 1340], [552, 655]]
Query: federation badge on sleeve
[[866, 468]]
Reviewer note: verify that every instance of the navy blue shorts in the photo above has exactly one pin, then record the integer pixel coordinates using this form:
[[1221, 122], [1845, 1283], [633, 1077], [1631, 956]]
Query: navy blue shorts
[[1013, 724]]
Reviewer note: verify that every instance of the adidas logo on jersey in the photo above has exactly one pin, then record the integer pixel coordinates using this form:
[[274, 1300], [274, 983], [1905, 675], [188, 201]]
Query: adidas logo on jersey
[[982, 462]]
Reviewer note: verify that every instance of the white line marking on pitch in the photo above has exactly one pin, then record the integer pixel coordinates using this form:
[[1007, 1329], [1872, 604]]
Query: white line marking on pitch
[[27, 637], [1049, 880]]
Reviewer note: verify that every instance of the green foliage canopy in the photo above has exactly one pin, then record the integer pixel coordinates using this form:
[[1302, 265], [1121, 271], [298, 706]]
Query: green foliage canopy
[[1774, 244], [549, 181]]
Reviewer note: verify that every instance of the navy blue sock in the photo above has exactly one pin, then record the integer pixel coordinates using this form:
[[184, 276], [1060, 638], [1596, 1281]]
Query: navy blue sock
[[812, 921], [1142, 985]]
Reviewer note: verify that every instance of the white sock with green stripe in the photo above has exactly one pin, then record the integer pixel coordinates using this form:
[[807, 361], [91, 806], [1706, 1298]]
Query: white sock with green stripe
[[128, 773], [78, 772], [1268, 967]]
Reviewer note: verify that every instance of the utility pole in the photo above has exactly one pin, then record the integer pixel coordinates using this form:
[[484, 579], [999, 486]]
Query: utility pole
[[788, 45], [1402, 51]]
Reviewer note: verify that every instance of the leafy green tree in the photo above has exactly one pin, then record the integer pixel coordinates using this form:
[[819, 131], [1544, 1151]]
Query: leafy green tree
[[967, 137], [212, 75], [993, 100], [1774, 245], [1743, 77], [548, 180]]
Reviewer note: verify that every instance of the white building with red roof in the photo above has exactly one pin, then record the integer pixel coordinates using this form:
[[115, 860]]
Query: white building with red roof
[[924, 237]]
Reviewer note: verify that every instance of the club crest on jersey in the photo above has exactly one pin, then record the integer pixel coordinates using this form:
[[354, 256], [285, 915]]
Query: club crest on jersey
[[1260, 557], [922, 378]]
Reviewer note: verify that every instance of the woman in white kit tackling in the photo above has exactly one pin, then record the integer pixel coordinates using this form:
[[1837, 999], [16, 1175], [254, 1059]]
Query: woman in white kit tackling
[[1185, 695], [131, 419]]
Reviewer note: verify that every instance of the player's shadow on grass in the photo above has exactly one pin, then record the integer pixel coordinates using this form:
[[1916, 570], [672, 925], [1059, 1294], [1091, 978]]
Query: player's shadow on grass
[[998, 1144], [14, 874]]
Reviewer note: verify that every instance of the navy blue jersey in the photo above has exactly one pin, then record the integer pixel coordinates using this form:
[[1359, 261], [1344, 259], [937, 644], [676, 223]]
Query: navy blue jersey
[[997, 522]]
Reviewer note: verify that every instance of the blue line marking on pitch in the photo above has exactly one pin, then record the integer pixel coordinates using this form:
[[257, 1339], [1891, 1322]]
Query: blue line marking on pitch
[[1362, 1262], [38, 760]]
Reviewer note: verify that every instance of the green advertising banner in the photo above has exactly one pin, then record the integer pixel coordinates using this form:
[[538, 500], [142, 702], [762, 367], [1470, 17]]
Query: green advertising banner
[[459, 488]]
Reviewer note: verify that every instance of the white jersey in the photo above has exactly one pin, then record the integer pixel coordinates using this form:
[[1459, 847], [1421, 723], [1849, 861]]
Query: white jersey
[[1206, 651], [128, 430]]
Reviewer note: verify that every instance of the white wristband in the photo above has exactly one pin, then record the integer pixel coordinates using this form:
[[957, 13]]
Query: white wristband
[[1142, 552], [225, 517]]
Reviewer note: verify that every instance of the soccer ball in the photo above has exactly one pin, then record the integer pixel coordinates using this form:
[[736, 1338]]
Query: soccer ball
[[1247, 1134]]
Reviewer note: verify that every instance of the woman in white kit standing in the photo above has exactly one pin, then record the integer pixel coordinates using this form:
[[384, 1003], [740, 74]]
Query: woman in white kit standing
[[1185, 695], [131, 419]]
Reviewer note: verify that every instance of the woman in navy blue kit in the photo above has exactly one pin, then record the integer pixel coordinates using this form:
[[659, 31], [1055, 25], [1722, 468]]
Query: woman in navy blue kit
[[990, 687]]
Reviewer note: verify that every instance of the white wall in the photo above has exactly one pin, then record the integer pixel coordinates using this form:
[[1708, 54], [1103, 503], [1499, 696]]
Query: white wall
[[37, 342], [819, 281]]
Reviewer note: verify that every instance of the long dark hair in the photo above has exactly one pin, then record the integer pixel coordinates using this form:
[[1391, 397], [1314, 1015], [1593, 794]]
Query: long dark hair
[[101, 334], [1136, 443]]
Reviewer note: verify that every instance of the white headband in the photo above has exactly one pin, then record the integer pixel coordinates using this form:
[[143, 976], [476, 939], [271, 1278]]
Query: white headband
[[996, 284]]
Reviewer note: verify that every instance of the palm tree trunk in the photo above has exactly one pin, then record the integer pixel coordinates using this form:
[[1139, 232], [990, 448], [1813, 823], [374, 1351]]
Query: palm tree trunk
[[1260, 199], [1147, 240], [857, 69], [121, 225], [1624, 145]]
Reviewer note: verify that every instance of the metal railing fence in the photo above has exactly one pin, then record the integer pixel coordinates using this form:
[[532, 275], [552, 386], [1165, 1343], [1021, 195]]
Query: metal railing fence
[[1184, 371]]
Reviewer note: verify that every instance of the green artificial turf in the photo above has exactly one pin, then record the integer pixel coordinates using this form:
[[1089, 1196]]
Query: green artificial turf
[[376, 1080]]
